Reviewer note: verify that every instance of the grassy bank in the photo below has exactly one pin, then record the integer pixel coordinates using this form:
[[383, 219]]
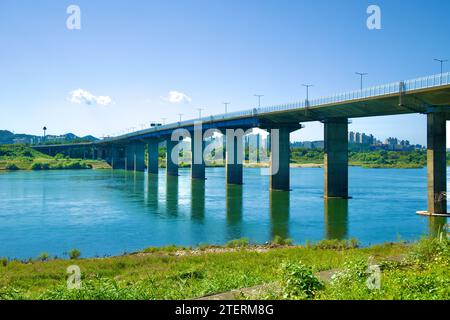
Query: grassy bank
[[409, 271], [21, 157]]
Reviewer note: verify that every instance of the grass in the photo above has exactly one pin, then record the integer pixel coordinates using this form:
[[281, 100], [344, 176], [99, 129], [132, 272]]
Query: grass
[[186, 273], [22, 157]]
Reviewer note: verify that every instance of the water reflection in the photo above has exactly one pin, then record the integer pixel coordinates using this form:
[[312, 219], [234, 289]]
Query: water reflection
[[172, 195], [279, 213], [234, 207], [198, 200], [336, 218], [436, 225], [152, 191]]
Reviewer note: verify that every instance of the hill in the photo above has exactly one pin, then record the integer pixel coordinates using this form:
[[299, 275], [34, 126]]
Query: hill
[[8, 137]]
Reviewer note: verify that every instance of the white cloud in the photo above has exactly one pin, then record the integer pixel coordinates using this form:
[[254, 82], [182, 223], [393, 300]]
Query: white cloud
[[80, 96], [177, 97]]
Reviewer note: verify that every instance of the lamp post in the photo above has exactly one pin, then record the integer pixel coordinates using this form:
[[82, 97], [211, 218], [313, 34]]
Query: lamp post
[[226, 106], [441, 61], [259, 99], [199, 112], [361, 74], [307, 86], [180, 115]]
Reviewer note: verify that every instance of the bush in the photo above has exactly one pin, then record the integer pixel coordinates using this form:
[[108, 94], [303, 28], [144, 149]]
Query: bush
[[279, 241], [74, 254], [3, 262], [237, 243], [43, 256], [11, 167], [40, 166], [298, 281], [337, 244]]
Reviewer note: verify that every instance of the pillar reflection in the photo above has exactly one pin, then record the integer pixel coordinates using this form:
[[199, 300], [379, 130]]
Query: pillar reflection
[[198, 200], [234, 208], [279, 213], [336, 218]]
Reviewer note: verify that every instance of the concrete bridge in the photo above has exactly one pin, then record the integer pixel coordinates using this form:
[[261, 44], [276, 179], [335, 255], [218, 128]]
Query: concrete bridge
[[429, 95]]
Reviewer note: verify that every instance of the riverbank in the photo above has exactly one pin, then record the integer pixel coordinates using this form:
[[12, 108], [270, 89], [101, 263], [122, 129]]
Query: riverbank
[[408, 271], [20, 157]]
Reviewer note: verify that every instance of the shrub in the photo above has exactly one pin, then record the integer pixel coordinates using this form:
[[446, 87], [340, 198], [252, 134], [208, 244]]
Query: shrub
[[279, 241], [298, 281], [237, 243], [40, 166], [11, 167], [431, 250], [336, 244], [43, 256], [74, 254], [3, 262]]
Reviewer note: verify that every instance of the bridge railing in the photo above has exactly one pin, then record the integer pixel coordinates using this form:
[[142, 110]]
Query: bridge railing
[[391, 88]]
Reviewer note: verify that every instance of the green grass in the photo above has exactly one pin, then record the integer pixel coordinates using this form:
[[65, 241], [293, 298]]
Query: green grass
[[21, 157], [180, 273]]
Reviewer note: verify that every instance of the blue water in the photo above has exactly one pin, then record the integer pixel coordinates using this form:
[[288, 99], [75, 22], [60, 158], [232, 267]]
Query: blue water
[[112, 212]]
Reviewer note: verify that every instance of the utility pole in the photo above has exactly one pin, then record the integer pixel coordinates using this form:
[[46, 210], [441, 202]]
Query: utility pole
[[307, 86], [259, 99], [226, 106], [361, 74], [442, 65]]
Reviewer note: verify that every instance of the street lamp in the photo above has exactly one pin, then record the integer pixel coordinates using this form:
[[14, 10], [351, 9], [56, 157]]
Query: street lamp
[[164, 120], [361, 74], [199, 112], [180, 115], [259, 99], [307, 86], [442, 64], [226, 106]]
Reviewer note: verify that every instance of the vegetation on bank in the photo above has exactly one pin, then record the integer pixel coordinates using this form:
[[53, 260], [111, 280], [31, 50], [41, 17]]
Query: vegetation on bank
[[408, 271], [368, 159], [21, 157]]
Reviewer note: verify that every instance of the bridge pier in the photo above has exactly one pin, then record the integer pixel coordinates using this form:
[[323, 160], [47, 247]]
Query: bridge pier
[[336, 158], [234, 159], [152, 156], [280, 156], [172, 158], [135, 156], [436, 162], [197, 160]]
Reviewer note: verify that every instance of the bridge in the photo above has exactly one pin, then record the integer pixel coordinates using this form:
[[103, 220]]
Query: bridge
[[428, 95]]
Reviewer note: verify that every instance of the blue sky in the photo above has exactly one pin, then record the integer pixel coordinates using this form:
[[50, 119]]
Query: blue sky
[[212, 51]]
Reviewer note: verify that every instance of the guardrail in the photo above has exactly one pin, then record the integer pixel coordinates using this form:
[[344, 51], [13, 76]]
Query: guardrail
[[391, 88]]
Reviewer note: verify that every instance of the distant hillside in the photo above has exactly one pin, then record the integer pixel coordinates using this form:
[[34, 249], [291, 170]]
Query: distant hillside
[[7, 137]]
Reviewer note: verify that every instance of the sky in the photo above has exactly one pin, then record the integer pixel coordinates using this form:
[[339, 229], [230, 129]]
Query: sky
[[136, 62]]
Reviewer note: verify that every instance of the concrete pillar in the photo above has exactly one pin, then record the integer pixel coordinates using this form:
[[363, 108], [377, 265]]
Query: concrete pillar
[[172, 158], [336, 158], [436, 163], [234, 159], [152, 156], [135, 156], [280, 156], [197, 161]]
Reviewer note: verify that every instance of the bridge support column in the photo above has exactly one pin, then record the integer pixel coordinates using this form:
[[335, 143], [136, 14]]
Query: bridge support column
[[172, 158], [197, 161], [280, 159], [152, 156], [234, 159], [336, 158], [135, 156], [436, 163]]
